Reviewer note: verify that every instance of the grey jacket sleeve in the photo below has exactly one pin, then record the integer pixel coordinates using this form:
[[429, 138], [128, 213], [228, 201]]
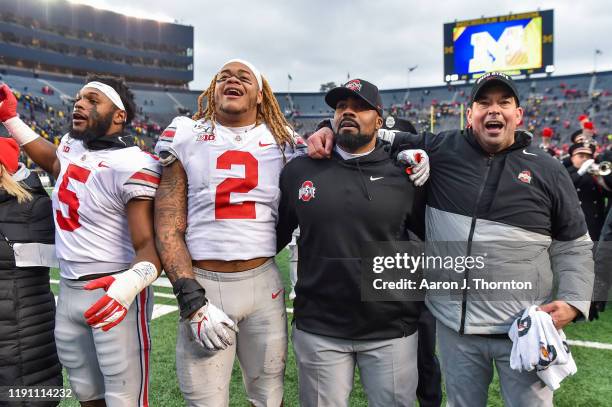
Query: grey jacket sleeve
[[572, 262]]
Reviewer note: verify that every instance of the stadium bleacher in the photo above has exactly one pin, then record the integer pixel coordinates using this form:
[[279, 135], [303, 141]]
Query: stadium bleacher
[[549, 101]]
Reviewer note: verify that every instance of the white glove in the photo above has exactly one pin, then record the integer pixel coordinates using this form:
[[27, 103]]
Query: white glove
[[208, 327], [386, 135], [418, 165], [584, 168], [121, 289]]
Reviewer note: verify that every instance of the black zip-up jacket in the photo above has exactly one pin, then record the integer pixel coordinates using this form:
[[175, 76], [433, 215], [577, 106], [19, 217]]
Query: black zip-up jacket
[[28, 355], [338, 205], [522, 201]]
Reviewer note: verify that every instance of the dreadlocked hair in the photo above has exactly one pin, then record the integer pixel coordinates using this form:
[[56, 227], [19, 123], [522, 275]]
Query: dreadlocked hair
[[268, 112]]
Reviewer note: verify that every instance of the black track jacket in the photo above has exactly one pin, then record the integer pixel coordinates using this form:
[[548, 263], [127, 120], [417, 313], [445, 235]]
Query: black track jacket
[[338, 205]]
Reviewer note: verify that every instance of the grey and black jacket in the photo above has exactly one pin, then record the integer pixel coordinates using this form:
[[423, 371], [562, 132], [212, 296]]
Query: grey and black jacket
[[522, 203]]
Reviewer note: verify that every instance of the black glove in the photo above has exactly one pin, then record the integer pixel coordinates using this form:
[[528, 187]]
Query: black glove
[[596, 308]]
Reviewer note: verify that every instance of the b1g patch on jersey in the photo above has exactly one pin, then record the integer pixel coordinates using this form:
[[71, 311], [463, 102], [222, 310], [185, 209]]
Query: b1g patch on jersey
[[525, 176], [306, 191], [205, 137]]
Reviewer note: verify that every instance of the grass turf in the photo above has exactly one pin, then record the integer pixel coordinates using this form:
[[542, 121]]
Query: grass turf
[[591, 386]]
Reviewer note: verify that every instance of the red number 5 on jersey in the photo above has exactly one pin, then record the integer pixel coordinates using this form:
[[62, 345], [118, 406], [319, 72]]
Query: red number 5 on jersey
[[69, 198], [244, 210]]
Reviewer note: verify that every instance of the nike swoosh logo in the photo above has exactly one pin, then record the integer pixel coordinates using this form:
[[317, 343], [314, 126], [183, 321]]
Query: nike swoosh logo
[[274, 295], [526, 153], [375, 178], [264, 145], [101, 164]]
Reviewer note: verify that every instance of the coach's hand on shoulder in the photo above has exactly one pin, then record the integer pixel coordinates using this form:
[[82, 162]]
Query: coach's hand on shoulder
[[208, 325], [320, 143], [121, 289], [8, 103], [417, 162], [561, 312]]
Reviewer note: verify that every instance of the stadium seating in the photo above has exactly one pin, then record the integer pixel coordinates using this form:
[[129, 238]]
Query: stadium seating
[[548, 101]]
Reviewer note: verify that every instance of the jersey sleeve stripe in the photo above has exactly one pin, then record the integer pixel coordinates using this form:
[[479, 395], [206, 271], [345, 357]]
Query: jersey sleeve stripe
[[144, 177], [141, 176], [153, 185], [168, 134]]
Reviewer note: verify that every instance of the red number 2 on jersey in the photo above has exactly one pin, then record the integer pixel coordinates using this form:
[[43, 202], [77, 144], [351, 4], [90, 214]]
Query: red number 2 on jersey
[[244, 210], [69, 198]]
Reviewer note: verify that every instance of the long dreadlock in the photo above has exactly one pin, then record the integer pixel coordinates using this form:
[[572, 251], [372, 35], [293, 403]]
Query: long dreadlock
[[268, 112]]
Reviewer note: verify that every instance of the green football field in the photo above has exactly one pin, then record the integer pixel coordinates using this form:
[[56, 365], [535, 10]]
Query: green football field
[[591, 386]]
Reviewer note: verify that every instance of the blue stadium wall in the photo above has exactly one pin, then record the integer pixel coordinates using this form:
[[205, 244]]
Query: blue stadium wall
[[122, 29]]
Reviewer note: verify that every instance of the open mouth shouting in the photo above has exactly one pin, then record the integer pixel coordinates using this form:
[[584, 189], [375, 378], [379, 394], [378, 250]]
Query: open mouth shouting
[[494, 126], [233, 92], [78, 118]]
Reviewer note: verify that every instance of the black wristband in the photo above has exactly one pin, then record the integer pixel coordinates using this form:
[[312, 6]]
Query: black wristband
[[190, 294]]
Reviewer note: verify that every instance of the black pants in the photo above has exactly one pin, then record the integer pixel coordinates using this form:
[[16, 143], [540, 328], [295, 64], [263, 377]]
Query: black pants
[[429, 389]]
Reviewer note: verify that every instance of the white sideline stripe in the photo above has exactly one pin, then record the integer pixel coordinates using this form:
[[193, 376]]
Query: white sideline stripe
[[589, 344], [162, 282], [161, 310], [164, 295]]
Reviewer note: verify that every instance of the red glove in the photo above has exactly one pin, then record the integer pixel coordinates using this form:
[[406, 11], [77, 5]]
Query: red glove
[[106, 312], [8, 103], [121, 290]]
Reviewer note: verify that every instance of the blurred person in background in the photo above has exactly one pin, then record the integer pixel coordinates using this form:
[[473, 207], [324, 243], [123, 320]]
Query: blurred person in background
[[547, 134], [588, 186]]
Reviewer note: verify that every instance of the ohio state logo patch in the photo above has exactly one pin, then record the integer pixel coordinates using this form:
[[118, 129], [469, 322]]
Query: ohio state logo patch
[[306, 191], [354, 85], [525, 176]]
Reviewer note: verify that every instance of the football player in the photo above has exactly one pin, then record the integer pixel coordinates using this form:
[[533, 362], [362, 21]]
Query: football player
[[215, 217], [103, 211]]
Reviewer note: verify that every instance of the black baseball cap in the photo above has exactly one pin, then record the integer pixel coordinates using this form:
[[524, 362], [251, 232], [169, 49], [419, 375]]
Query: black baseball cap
[[356, 88], [399, 124], [494, 77]]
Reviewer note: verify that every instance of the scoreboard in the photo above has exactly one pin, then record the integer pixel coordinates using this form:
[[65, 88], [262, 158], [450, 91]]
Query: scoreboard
[[515, 44]]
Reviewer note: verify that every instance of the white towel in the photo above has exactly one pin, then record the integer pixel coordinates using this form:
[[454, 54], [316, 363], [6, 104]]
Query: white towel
[[525, 337], [561, 367], [538, 344]]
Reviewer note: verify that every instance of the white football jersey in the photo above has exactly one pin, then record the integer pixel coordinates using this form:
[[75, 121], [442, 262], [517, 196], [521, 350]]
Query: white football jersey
[[233, 187], [89, 205]]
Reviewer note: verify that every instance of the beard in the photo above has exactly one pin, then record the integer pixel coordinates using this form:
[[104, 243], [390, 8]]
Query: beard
[[351, 142], [98, 128]]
